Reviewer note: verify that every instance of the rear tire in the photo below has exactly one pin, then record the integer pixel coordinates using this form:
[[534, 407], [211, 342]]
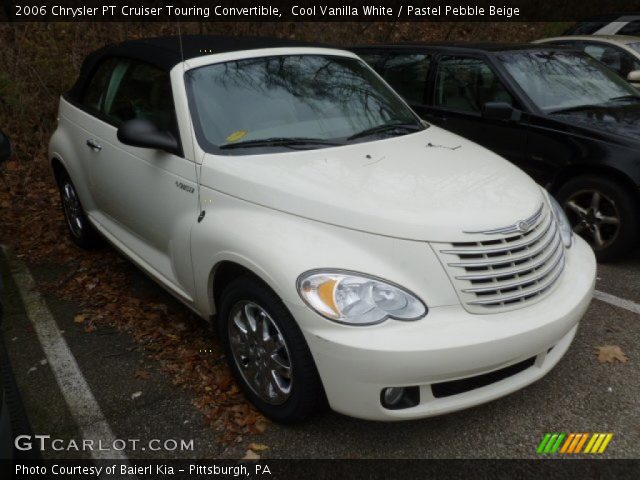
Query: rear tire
[[82, 232], [604, 212], [268, 353]]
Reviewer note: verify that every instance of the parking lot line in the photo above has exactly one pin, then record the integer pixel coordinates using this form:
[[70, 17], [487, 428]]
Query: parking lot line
[[617, 301], [81, 401]]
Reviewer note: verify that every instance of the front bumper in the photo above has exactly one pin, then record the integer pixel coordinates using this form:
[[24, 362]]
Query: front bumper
[[356, 363]]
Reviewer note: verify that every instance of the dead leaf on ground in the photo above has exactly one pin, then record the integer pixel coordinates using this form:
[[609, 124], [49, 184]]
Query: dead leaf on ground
[[251, 455], [258, 447], [135, 395], [79, 318], [142, 374], [611, 354]]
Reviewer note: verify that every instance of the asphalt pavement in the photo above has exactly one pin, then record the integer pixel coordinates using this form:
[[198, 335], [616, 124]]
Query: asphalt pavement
[[579, 395]]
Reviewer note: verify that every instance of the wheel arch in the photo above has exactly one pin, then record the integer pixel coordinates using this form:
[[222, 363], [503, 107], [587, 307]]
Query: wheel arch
[[611, 173], [226, 271], [58, 167]]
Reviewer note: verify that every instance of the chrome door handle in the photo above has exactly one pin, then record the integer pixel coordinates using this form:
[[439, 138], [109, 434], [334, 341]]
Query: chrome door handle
[[93, 145]]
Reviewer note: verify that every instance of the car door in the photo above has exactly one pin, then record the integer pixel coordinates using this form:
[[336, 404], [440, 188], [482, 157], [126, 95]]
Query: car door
[[146, 199], [463, 84]]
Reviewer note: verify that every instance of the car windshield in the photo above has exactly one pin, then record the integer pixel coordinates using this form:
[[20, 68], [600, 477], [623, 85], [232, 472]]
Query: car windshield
[[560, 81], [296, 101], [635, 46]]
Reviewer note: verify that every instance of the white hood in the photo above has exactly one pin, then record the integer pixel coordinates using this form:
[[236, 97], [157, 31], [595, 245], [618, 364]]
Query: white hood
[[400, 186]]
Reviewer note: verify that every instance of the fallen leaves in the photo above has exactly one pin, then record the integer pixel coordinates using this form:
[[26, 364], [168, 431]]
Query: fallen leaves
[[611, 354], [135, 395], [142, 374], [251, 455], [79, 318], [258, 447]]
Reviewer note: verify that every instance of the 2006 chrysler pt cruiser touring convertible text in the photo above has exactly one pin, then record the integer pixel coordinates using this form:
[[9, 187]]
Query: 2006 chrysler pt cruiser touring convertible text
[[349, 252]]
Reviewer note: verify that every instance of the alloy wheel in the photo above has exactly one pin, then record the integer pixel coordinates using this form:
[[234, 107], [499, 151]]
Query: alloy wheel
[[72, 209], [260, 352], [594, 216]]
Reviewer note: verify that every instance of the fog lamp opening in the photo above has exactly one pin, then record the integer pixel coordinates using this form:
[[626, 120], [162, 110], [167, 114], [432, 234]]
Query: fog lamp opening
[[398, 398]]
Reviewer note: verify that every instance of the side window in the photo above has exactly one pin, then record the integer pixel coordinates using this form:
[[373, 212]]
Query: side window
[[373, 59], [615, 58], [139, 90], [407, 74], [94, 95], [631, 28], [467, 84]]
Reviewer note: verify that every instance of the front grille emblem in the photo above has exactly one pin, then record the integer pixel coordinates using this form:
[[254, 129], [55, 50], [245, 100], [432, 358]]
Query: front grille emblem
[[521, 226]]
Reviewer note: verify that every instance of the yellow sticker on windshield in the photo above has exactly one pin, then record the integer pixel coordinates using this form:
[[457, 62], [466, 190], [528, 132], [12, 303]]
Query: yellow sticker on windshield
[[235, 136]]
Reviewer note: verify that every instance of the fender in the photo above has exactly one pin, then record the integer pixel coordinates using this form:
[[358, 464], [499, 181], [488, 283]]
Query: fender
[[276, 247]]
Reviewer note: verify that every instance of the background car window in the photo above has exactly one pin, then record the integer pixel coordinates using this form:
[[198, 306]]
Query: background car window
[[94, 94], [557, 81], [138, 90], [615, 58], [467, 84], [631, 28], [407, 74], [373, 59]]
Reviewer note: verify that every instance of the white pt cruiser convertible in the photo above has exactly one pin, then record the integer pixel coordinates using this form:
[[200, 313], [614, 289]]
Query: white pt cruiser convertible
[[348, 252]]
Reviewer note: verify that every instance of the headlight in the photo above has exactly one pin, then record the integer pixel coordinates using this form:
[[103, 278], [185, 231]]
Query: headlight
[[566, 233], [357, 299]]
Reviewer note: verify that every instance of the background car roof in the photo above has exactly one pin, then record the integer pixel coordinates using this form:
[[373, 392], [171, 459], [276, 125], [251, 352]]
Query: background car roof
[[167, 52], [474, 46], [618, 39]]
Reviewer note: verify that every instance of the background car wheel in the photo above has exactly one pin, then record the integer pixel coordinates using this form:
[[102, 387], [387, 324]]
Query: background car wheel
[[81, 230], [603, 212], [268, 353]]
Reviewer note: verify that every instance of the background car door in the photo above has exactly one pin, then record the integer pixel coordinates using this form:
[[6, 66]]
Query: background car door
[[461, 87], [146, 199]]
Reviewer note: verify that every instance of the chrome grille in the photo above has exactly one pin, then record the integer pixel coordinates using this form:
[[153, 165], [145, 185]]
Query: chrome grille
[[509, 270]]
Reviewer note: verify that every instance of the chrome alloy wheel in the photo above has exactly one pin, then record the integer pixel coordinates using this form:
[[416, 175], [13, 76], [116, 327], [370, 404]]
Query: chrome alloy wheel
[[594, 216], [72, 209], [260, 352]]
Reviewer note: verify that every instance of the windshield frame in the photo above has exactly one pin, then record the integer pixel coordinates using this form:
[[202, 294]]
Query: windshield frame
[[209, 148], [635, 48], [564, 50]]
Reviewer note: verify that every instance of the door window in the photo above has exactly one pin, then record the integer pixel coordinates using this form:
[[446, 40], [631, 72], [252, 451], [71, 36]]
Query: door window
[[139, 90], [615, 58], [407, 74], [467, 84], [95, 93], [373, 59]]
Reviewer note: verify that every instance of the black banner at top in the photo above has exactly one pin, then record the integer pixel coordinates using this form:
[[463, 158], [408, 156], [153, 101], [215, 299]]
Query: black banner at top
[[315, 10]]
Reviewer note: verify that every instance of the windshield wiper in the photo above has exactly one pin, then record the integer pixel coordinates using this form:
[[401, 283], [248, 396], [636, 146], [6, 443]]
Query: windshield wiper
[[388, 127], [279, 142], [625, 97], [576, 108]]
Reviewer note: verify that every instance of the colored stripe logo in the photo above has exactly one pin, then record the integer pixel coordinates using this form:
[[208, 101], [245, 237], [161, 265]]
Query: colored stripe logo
[[573, 443]]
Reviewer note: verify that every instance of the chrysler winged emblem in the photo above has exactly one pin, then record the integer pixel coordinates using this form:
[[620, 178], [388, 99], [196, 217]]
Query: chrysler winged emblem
[[521, 226]]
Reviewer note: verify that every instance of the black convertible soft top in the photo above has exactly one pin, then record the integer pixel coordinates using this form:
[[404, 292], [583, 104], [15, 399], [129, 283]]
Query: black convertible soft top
[[166, 52]]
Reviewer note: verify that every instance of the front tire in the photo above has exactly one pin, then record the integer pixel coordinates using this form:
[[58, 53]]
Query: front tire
[[603, 212], [268, 353], [82, 232]]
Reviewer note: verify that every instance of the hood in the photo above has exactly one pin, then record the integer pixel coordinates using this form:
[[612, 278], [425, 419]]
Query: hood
[[623, 120], [430, 185]]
